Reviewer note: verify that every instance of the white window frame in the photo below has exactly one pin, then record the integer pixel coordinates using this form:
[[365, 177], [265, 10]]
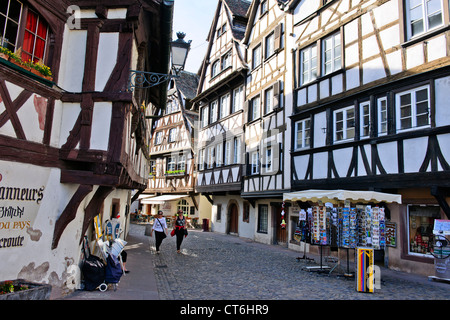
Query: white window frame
[[181, 164], [333, 45], [382, 116], [254, 162], [214, 112], [308, 64], [171, 164], [201, 159], [268, 100], [256, 56], [256, 108], [413, 109], [238, 99], [158, 137], [227, 152], [268, 161], [224, 105], [420, 12], [305, 134], [346, 124], [215, 68], [270, 45], [172, 135], [236, 150], [219, 155], [205, 116], [365, 119]]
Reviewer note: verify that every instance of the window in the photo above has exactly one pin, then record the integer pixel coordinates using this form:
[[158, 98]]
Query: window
[[268, 160], [308, 64], [255, 162], [420, 228], [210, 157], [35, 34], [246, 212], [224, 105], [181, 164], [238, 99], [219, 155], [237, 150], [183, 205], [204, 115], [226, 60], [344, 124], [201, 159], [214, 112], [219, 212], [215, 69], [10, 15], [172, 135], [171, 164], [382, 116], [227, 160], [412, 108], [423, 16], [254, 112], [331, 53], [270, 45], [152, 167], [302, 134], [365, 119], [158, 138], [264, 7], [222, 30], [256, 57], [263, 218], [268, 100]]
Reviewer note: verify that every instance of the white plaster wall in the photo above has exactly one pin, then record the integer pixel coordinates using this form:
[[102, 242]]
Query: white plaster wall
[[73, 59], [107, 52], [442, 95], [101, 124]]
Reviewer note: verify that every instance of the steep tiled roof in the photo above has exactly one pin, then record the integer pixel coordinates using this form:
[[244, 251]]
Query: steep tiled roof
[[238, 7], [187, 84]]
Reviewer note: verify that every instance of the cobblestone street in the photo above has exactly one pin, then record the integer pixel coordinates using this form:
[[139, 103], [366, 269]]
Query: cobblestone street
[[215, 266]]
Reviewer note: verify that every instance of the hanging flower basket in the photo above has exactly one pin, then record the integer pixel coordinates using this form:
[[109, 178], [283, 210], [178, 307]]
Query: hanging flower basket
[[24, 290]]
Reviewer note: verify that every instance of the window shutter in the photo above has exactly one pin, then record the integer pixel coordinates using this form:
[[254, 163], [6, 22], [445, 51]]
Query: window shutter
[[278, 35]]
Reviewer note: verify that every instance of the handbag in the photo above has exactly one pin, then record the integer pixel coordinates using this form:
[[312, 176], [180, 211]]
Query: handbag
[[164, 234], [172, 233], [185, 233]]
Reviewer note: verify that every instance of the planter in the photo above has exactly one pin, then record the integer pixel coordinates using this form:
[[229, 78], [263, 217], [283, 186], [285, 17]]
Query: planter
[[35, 291]]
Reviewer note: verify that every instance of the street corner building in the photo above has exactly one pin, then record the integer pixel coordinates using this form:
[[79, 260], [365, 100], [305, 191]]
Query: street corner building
[[72, 132]]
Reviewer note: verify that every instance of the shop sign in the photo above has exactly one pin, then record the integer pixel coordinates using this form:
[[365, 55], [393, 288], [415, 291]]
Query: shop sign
[[391, 234], [20, 200]]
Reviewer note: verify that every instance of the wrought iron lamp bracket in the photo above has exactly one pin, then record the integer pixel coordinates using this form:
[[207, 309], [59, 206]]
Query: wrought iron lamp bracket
[[144, 79]]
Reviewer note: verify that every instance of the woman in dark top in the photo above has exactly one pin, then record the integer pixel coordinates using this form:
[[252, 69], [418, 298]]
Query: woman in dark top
[[180, 229]]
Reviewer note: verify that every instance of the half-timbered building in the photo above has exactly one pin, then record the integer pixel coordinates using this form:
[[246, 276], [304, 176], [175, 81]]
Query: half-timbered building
[[267, 139], [220, 99], [73, 147], [172, 175], [372, 83]]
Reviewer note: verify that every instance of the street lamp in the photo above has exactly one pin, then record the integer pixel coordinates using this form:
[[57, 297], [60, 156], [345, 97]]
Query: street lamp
[[179, 50]]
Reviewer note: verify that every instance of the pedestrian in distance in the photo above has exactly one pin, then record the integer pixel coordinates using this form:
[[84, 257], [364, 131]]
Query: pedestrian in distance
[[160, 228], [180, 229]]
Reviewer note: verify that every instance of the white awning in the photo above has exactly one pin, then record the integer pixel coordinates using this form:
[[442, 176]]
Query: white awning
[[162, 199], [335, 196]]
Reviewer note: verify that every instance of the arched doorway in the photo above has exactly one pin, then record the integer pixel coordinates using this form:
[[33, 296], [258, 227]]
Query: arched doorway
[[233, 215]]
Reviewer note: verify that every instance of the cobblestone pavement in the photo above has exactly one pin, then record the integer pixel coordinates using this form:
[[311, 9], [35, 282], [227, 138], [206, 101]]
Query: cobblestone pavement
[[215, 266]]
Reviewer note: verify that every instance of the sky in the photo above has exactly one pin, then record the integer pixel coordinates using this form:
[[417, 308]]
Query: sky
[[194, 17]]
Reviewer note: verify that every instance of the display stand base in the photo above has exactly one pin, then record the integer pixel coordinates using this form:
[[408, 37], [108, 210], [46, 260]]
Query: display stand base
[[433, 278], [318, 268]]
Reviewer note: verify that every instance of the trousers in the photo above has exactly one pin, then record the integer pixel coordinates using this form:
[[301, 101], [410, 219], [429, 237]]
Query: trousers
[[159, 237], [179, 232]]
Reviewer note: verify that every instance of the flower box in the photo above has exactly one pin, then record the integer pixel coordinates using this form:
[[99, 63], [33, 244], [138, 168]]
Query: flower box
[[24, 290]]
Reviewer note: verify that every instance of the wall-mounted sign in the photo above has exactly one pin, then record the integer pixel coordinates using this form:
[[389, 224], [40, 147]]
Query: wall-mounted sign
[[391, 234]]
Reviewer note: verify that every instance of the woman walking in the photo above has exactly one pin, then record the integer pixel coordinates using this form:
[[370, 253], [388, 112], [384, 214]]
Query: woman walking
[[160, 227], [180, 229]]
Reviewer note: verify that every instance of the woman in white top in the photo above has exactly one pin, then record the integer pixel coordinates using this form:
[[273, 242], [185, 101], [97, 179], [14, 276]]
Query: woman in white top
[[160, 227]]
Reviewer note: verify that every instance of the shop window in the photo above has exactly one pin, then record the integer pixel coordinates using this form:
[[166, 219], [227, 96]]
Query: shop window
[[423, 16], [183, 205], [420, 228], [263, 218], [412, 108]]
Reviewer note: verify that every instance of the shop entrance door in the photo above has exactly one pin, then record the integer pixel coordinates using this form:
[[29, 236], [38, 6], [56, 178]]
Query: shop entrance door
[[281, 234], [233, 219]]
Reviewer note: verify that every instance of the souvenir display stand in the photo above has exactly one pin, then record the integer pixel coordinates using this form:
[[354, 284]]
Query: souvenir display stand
[[342, 219]]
